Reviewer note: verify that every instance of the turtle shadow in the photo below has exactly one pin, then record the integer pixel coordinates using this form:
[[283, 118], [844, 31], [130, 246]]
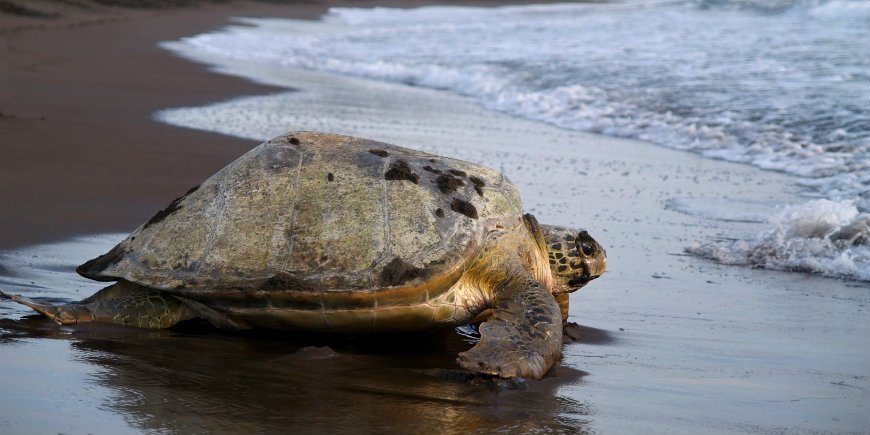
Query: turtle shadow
[[574, 333]]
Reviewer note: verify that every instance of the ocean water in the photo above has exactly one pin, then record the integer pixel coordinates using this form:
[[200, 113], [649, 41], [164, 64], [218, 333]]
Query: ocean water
[[821, 236], [780, 85]]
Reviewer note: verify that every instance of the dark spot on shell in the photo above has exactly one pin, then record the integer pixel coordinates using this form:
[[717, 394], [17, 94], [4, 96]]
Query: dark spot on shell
[[91, 268], [439, 212], [330, 177], [573, 254], [398, 272], [433, 160], [556, 246], [323, 258], [478, 184], [285, 282], [552, 261], [464, 207], [400, 170], [457, 172], [448, 184], [562, 268], [559, 255], [293, 141], [569, 238], [171, 208], [563, 260], [379, 152], [428, 168]]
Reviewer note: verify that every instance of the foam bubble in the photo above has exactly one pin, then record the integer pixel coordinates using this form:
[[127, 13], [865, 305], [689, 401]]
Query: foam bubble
[[831, 238]]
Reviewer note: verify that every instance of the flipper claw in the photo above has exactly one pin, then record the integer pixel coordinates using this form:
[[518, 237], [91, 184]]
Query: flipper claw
[[53, 312]]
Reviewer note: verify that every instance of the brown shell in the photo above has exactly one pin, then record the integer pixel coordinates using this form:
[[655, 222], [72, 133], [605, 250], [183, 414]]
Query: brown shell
[[317, 212]]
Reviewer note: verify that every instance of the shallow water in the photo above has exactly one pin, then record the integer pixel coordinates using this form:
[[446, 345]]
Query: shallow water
[[113, 380]]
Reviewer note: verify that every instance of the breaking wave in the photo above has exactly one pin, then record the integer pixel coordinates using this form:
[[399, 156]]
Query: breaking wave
[[825, 237]]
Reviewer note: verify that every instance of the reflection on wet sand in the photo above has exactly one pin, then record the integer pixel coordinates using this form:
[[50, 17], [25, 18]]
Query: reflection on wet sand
[[196, 379]]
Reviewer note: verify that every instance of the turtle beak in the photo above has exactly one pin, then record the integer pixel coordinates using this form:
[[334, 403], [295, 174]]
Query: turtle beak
[[592, 269], [599, 264]]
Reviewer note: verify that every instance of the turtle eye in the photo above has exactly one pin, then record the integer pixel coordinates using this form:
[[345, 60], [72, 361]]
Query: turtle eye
[[586, 248]]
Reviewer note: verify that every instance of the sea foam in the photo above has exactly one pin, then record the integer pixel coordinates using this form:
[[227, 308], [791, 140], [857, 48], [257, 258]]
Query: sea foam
[[779, 85], [826, 237]]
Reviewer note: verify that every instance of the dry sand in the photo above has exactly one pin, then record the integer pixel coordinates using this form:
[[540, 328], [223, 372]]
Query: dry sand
[[671, 343]]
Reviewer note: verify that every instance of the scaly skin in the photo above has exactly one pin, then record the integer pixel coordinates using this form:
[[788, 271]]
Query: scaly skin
[[523, 338], [122, 303]]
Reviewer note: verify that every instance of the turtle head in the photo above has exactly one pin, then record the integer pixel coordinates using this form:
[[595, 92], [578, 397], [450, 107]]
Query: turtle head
[[575, 257]]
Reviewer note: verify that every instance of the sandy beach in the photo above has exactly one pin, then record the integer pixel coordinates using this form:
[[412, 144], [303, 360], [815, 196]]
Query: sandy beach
[[671, 343]]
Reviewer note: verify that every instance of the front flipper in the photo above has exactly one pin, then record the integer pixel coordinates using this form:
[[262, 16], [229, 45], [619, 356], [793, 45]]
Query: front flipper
[[122, 303], [524, 336]]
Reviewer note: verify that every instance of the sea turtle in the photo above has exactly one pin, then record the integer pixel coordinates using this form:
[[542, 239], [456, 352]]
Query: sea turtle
[[323, 232]]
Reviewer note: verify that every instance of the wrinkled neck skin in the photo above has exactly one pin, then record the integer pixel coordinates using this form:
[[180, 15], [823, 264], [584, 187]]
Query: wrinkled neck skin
[[508, 255], [539, 265]]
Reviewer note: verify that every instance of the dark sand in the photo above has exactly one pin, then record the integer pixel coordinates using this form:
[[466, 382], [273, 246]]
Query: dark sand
[[80, 151]]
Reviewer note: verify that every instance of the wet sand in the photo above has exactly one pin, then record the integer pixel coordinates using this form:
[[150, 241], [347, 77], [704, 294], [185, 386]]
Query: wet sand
[[669, 343]]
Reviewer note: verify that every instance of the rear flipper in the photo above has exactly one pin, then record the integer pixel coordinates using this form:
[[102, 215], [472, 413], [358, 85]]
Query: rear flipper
[[122, 303], [524, 336]]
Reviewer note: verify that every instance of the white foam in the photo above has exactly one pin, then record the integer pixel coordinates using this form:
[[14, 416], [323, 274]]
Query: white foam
[[858, 10], [780, 91], [822, 236]]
